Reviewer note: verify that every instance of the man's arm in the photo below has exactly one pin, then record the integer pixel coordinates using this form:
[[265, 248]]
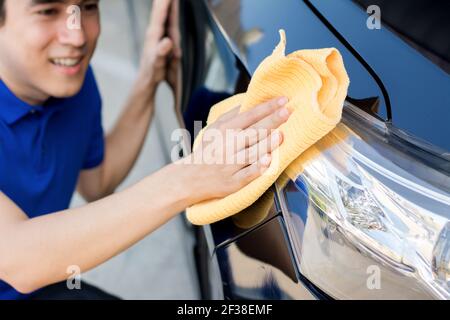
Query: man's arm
[[37, 252], [125, 141]]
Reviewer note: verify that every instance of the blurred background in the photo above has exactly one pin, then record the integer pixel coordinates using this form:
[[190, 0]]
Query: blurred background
[[162, 265]]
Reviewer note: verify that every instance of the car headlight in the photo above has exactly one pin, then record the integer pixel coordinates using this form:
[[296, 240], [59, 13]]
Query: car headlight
[[384, 211]]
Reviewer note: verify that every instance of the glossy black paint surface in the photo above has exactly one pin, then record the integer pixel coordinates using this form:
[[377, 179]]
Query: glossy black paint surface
[[417, 91], [259, 265]]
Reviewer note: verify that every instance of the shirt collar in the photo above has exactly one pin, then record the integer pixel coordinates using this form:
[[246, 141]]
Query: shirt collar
[[12, 109]]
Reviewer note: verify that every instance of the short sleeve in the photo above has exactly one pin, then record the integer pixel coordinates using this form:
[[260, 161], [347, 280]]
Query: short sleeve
[[96, 149]]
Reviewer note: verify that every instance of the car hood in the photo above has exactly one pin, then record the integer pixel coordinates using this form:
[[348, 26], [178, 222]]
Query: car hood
[[419, 90], [414, 88]]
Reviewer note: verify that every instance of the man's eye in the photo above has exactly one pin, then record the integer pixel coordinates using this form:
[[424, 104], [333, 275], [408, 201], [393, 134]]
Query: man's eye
[[48, 12], [90, 7]]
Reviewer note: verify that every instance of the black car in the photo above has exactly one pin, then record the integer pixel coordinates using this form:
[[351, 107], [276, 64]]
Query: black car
[[368, 215]]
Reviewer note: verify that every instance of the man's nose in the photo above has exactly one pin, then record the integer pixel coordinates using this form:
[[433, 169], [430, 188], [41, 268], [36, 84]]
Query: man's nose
[[74, 36]]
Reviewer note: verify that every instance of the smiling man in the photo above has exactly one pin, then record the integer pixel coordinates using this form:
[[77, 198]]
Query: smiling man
[[52, 142]]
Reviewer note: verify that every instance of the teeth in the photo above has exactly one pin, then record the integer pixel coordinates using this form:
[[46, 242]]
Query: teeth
[[66, 62]]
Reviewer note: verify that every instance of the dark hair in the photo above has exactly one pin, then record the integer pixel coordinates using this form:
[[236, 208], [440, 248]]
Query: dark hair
[[2, 11]]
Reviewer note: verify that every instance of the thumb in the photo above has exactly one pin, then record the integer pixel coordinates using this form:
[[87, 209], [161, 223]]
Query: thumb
[[164, 47]]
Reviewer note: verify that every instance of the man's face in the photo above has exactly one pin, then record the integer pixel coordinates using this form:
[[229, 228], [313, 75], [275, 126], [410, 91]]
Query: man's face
[[42, 52]]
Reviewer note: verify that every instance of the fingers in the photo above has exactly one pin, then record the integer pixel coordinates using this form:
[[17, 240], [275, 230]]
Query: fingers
[[164, 47], [246, 146], [266, 146], [174, 29], [262, 129], [273, 120], [159, 15], [249, 118], [249, 160], [229, 115], [253, 171]]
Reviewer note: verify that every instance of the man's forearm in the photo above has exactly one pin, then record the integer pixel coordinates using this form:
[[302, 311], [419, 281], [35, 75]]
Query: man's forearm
[[40, 250]]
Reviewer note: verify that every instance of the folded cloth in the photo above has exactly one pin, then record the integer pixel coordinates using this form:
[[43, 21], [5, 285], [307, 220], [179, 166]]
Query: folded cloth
[[316, 83], [255, 213]]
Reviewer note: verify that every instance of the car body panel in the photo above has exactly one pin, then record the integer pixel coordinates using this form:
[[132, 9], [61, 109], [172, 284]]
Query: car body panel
[[265, 18], [418, 89], [303, 262], [263, 271], [411, 80]]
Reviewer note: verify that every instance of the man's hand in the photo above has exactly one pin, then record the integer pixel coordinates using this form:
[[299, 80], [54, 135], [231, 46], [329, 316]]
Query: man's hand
[[174, 58], [239, 152], [157, 46]]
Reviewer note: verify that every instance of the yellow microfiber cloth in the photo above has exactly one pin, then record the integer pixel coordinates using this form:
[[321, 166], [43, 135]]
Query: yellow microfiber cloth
[[258, 211], [255, 213], [316, 83]]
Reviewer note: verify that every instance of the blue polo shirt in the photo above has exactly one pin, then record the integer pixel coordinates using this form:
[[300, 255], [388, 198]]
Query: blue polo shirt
[[44, 148]]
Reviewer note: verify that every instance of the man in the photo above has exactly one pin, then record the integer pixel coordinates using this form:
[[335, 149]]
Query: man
[[51, 142]]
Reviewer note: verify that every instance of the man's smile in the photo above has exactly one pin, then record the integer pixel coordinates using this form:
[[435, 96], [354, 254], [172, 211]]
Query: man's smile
[[68, 65]]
